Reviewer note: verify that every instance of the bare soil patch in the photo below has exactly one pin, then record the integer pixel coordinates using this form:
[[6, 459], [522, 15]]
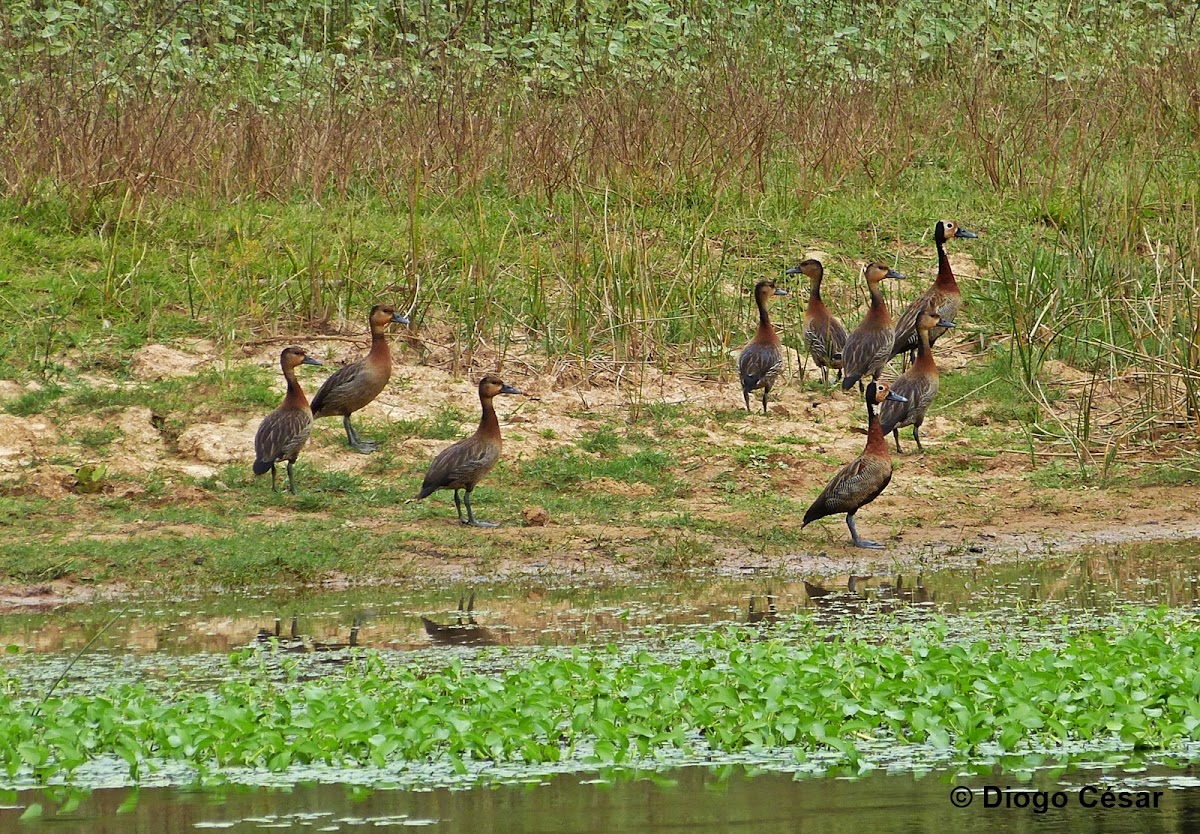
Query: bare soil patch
[[958, 502]]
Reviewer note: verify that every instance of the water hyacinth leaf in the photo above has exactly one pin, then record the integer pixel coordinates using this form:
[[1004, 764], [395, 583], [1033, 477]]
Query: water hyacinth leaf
[[129, 803]]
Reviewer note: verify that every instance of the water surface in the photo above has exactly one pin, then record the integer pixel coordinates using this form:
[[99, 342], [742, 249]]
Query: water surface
[[189, 639], [689, 799], [569, 612]]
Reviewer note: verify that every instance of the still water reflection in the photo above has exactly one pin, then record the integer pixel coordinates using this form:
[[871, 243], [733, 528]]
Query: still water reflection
[[690, 799], [545, 613], [185, 639]]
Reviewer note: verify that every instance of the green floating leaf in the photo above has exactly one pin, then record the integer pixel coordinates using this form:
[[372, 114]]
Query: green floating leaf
[[129, 803]]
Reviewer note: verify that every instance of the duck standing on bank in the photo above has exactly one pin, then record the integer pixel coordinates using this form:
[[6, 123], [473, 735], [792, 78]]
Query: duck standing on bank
[[861, 481], [761, 360], [357, 384], [283, 432], [824, 333], [918, 385], [944, 294], [869, 347], [463, 464]]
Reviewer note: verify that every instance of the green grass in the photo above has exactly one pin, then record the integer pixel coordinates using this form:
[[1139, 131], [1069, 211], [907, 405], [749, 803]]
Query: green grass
[[36, 401], [597, 194]]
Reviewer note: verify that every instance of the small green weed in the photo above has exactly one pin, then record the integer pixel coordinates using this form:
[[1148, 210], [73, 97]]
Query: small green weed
[[36, 401]]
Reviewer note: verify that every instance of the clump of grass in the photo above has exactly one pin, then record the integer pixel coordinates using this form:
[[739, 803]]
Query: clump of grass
[[567, 467], [603, 441], [445, 424], [35, 401], [98, 439]]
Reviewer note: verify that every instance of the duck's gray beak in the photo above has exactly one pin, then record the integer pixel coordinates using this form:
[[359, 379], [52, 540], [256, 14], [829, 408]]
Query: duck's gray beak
[[891, 273], [508, 389], [399, 319], [964, 233], [896, 398], [780, 291], [308, 360], [945, 323]]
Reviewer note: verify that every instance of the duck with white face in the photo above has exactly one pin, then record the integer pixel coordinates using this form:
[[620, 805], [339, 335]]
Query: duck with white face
[[944, 295]]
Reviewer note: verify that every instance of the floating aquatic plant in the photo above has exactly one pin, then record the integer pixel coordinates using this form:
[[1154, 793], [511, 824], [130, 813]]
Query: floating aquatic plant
[[957, 684]]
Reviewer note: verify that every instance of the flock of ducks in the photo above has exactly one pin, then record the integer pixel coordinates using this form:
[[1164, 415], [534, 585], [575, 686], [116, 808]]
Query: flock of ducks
[[282, 434], [859, 357], [862, 355]]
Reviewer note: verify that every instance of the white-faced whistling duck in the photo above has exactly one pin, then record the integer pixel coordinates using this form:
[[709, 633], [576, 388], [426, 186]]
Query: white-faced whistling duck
[[859, 482], [761, 360], [283, 432], [354, 386], [869, 347], [463, 465], [824, 333], [946, 298], [919, 384]]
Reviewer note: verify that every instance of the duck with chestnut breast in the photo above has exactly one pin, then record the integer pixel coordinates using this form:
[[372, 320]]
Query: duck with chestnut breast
[[761, 360], [463, 465], [861, 481], [869, 347], [944, 294], [283, 432], [357, 384], [918, 385], [824, 333]]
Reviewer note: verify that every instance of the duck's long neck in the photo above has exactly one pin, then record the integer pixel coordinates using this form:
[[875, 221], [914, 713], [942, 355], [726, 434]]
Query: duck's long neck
[[814, 296], [766, 333], [879, 311], [945, 276], [489, 424], [876, 445], [295, 394], [924, 361], [380, 352]]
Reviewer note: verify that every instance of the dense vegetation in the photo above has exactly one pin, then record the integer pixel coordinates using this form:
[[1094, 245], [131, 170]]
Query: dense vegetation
[[965, 685], [590, 182], [596, 179]]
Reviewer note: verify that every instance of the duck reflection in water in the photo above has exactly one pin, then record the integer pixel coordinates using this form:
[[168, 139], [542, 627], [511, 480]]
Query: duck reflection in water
[[768, 615], [460, 632], [297, 643]]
